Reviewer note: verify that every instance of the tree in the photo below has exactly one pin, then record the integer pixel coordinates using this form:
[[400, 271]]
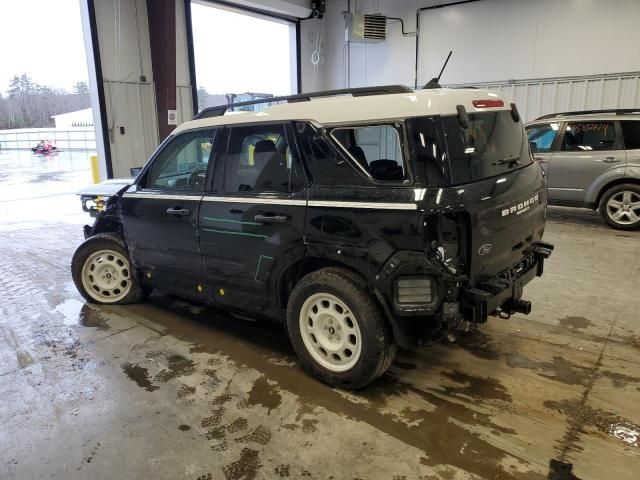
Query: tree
[[21, 88], [29, 104], [80, 88]]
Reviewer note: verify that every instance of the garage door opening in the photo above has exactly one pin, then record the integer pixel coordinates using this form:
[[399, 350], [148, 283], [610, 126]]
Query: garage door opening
[[241, 55]]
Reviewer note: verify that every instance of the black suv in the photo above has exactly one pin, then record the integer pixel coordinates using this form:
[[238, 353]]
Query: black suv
[[364, 220]]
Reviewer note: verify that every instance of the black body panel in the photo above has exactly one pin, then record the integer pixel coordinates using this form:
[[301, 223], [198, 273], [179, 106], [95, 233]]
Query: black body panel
[[165, 246], [243, 243]]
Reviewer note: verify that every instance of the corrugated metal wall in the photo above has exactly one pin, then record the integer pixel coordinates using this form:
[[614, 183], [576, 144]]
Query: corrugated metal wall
[[550, 95]]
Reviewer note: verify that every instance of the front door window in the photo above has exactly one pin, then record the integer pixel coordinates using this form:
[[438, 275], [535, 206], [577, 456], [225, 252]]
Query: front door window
[[182, 165]]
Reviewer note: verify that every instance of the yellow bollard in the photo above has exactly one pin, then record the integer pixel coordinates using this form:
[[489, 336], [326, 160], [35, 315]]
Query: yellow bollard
[[95, 171]]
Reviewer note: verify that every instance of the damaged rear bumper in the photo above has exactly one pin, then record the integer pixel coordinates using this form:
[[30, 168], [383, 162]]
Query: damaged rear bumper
[[503, 293]]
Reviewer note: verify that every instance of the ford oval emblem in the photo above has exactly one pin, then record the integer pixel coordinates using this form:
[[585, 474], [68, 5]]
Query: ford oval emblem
[[484, 249]]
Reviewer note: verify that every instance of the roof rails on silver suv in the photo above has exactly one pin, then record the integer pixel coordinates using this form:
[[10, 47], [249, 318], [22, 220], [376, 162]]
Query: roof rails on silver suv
[[617, 111]]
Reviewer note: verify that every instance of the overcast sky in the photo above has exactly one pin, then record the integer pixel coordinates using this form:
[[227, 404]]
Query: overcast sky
[[234, 53], [42, 38], [237, 53]]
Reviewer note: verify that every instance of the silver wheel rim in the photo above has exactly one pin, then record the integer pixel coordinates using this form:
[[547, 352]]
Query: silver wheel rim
[[330, 332], [624, 207], [106, 276]]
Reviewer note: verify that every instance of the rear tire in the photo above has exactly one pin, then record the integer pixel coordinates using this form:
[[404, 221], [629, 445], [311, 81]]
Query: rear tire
[[337, 329], [620, 206], [102, 271]]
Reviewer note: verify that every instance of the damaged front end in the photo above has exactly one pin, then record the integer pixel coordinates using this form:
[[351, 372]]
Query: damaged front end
[[102, 201]]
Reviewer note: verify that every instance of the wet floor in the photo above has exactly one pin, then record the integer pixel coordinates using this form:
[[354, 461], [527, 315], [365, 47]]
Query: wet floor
[[171, 389]]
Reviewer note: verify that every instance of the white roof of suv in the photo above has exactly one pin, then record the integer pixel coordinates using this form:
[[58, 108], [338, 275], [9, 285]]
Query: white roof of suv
[[324, 111]]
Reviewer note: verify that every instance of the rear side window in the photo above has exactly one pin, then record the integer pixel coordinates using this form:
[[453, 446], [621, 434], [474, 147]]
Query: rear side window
[[589, 136], [260, 159], [541, 137], [376, 149], [631, 134], [493, 144], [326, 165]]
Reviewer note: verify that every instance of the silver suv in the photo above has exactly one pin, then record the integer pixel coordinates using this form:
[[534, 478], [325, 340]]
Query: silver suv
[[592, 160]]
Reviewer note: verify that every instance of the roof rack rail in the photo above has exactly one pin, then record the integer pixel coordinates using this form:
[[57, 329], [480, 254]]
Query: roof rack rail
[[617, 111], [304, 97]]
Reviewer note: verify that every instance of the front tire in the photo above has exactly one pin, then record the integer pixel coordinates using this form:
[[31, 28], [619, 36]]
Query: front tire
[[337, 329], [620, 207], [102, 271]]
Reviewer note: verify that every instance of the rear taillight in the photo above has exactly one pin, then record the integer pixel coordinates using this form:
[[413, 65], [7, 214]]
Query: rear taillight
[[487, 103]]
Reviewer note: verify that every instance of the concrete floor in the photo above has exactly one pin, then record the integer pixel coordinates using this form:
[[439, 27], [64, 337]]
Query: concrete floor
[[170, 389]]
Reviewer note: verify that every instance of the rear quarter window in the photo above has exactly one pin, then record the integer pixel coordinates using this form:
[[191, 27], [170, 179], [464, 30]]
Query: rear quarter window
[[325, 164], [631, 134], [376, 150]]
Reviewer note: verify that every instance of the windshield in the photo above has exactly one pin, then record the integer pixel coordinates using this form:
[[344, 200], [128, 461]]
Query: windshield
[[493, 144]]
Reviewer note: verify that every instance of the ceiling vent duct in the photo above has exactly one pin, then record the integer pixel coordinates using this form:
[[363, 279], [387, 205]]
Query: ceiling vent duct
[[366, 28]]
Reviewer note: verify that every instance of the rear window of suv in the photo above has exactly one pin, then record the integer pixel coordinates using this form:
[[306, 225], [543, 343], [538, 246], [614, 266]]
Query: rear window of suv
[[493, 144]]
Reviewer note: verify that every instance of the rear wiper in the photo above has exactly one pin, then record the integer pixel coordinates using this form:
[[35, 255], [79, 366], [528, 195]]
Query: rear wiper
[[509, 160]]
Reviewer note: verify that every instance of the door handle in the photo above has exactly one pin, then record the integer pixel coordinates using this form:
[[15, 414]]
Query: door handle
[[271, 218], [178, 212], [539, 159], [611, 160]]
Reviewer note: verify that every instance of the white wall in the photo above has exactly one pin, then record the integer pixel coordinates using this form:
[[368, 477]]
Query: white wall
[[78, 118], [492, 40]]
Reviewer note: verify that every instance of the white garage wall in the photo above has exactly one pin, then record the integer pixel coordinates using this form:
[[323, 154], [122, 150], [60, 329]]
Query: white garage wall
[[517, 39], [494, 41]]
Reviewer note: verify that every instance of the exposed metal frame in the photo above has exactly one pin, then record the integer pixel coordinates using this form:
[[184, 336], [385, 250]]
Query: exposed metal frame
[[304, 97]]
